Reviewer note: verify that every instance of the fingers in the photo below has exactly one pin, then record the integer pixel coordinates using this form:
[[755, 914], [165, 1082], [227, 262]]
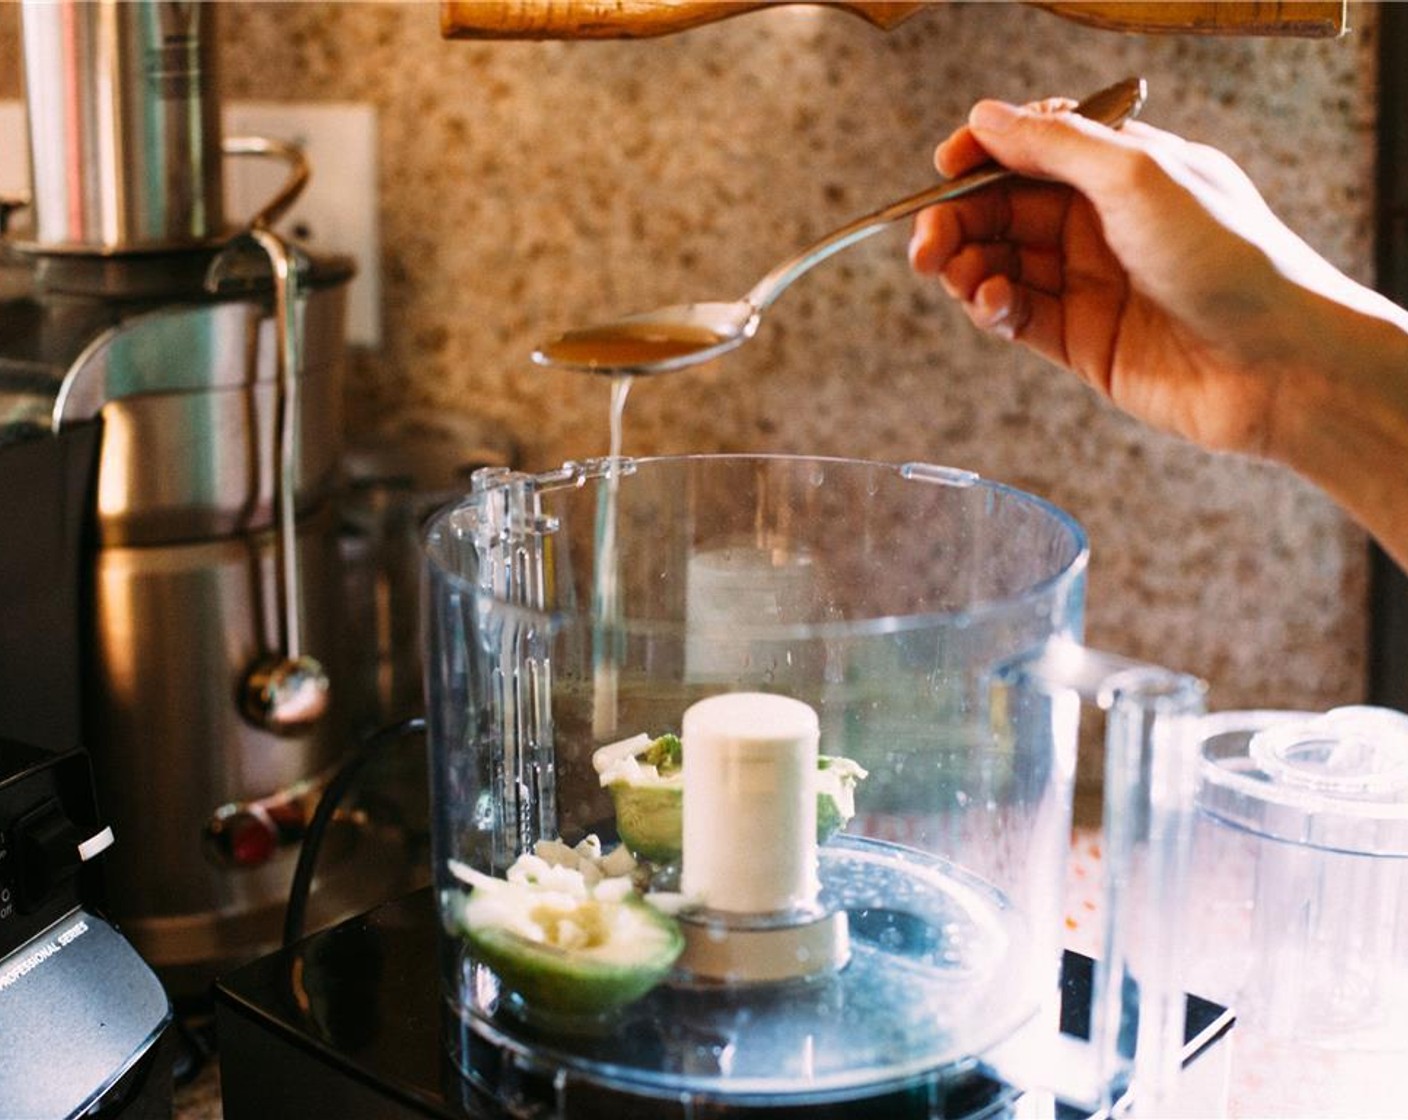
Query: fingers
[[937, 236], [1018, 313], [958, 153], [1098, 161], [967, 270], [1010, 292], [1068, 155], [1028, 260], [1030, 215], [962, 151], [999, 306], [1044, 140]]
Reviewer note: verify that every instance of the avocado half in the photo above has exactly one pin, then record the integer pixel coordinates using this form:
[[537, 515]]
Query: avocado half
[[568, 952], [645, 778]]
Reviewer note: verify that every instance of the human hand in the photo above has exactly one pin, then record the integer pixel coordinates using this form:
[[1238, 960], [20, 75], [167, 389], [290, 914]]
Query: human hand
[[1148, 265]]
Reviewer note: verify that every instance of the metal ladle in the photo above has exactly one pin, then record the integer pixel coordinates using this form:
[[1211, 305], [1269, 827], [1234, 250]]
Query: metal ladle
[[688, 333], [286, 690]]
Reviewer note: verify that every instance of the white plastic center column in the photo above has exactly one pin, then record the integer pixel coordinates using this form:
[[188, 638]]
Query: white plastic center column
[[750, 803]]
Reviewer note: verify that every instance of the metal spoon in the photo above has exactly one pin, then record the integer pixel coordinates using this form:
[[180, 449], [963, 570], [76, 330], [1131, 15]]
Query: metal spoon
[[688, 333]]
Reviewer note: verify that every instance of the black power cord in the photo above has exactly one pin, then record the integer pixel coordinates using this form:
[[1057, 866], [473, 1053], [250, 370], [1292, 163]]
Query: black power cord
[[296, 914]]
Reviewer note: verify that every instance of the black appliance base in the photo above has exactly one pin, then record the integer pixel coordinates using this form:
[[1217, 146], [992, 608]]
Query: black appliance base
[[350, 1023]]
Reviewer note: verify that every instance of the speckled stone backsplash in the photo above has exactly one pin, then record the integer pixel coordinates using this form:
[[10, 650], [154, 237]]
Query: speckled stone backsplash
[[529, 187]]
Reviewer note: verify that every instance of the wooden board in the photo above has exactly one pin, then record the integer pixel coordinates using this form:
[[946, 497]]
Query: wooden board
[[639, 19], [618, 19], [1316, 19]]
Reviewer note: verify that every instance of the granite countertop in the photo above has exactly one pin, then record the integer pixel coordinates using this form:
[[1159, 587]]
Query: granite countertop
[[200, 1099]]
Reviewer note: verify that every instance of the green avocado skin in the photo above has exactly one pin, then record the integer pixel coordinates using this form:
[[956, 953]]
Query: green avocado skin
[[650, 821], [556, 980], [829, 820]]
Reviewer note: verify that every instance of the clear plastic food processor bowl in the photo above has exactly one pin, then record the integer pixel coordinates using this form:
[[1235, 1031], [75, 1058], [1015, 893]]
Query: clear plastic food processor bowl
[[752, 780]]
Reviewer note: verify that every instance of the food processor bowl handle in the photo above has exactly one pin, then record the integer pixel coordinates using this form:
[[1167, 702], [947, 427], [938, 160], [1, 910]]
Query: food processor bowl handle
[[510, 541], [1151, 738]]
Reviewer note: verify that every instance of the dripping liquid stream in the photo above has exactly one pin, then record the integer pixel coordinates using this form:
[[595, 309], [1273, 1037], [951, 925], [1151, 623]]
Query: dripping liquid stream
[[607, 660]]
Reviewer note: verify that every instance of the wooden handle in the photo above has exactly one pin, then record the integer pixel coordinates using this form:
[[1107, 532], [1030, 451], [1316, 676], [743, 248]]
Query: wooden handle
[[641, 19], [1311, 19], [618, 19]]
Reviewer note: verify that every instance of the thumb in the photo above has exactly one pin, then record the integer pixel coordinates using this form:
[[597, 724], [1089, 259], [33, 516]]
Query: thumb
[[1039, 143]]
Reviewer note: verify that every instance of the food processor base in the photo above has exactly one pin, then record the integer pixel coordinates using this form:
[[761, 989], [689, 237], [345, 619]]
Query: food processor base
[[350, 1022]]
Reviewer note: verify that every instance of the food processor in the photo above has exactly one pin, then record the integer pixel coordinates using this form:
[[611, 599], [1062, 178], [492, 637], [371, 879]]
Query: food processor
[[751, 782]]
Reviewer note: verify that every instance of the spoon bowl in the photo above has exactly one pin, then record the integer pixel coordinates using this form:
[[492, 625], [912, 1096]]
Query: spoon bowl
[[686, 334], [667, 338]]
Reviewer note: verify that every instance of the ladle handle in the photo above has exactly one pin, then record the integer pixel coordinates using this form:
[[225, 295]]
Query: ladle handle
[[288, 332], [286, 268], [1111, 106]]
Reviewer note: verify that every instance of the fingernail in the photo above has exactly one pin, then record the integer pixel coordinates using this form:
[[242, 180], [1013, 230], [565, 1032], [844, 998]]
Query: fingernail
[[917, 246], [993, 116], [999, 322]]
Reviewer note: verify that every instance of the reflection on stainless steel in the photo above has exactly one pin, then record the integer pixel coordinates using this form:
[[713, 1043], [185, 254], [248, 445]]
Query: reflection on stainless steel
[[250, 833], [285, 693], [176, 627], [129, 88], [125, 86], [211, 414], [186, 599]]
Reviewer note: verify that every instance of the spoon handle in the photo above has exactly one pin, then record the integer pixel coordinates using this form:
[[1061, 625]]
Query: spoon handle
[[1111, 106]]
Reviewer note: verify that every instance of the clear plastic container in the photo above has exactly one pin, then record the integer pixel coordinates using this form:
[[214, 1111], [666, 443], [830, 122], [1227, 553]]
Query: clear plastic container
[[926, 617], [1300, 916]]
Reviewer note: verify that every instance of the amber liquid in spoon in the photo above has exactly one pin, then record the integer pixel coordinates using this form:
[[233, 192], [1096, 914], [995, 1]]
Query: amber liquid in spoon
[[624, 345]]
